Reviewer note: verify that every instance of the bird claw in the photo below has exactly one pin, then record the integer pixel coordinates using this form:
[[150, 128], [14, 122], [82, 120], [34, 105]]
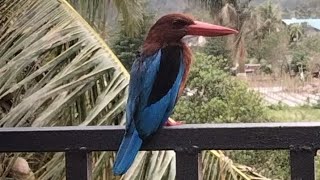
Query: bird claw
[[171, 122]]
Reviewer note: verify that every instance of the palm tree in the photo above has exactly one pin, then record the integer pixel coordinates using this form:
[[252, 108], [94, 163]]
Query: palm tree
[[270, 20], [251, 22], [100, 14], [56, 71], [236, 16], [295, 32], [218, 166]]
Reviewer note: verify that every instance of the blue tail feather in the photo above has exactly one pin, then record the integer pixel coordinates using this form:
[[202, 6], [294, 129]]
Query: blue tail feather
[[128, 150]]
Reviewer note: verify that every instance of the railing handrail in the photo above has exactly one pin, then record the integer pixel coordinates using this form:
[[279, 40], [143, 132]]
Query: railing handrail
[[302, 139], [202, 136]]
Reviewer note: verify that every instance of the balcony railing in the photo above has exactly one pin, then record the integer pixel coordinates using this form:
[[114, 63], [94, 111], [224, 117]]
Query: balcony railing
[[301, 139]]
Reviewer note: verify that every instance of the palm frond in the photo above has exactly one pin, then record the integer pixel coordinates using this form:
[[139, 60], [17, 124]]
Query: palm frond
[[213, 5], [155, 165], [131, 14], [56, 71], [216, 5], [218, 166], [101, 14]]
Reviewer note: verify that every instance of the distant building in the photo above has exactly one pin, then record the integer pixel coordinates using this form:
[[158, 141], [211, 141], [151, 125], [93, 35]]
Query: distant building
[[312, 26], [252, 68]]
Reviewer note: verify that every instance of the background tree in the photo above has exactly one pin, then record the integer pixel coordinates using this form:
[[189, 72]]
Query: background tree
[[64, 75], [104, 14], [295, 32], [56, 71], [216, 96], [234, 14], [71, 77], [253, 25], [269, 16], [213, 96], [127, 47]]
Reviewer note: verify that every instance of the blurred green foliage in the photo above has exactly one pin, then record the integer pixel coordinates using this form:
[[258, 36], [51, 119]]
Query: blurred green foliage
[[272, 164], [312, 43], [220, 98], [217, 97], [217, 47], [266, 48], [299, 61], [127, 47], [213, 96], [270, 51]]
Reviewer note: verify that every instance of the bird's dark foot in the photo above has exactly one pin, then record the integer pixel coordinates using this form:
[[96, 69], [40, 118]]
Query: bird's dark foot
[[171, 122]]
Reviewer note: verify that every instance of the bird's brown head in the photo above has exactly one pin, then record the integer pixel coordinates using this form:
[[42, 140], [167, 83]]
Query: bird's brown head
[[171, 28]]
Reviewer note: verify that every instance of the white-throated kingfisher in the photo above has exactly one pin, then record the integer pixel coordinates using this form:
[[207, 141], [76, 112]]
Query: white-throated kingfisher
[[158, 77]]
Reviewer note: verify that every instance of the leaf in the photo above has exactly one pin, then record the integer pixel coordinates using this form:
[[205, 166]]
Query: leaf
[[100, 13], [56, 71]]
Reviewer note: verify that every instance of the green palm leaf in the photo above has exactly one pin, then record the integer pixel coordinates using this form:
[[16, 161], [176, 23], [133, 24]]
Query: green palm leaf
[[50, 59], [56, 71], [218, 166], [101, 14]]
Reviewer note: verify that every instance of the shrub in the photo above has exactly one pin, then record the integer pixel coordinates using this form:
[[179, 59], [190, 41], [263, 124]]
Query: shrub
[[217, 97], [127, 47]]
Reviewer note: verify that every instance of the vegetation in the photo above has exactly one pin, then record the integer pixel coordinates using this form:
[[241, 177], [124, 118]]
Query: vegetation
[[56, 71], [278, 49], [294, 114], [216, 96], [127, 47], [101, 13]]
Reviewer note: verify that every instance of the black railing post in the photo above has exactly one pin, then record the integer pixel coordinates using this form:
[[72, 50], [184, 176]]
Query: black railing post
[[302, 164], [188, 165], [78, 165]]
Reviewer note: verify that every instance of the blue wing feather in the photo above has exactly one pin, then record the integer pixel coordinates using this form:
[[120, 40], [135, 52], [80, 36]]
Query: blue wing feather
[[150, 117], [143, 118], [142, 75]]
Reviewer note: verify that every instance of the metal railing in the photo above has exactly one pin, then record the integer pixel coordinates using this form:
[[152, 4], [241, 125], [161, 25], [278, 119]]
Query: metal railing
[[302, 139]]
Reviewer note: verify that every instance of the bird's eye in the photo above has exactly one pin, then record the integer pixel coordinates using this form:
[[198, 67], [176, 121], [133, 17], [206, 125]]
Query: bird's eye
[[178, 23]]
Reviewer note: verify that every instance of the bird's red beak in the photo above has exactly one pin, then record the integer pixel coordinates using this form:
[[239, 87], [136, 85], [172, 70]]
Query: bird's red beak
[[206, 29]]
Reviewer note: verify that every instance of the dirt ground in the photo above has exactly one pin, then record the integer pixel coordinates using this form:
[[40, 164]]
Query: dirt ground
[[286, 90]]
